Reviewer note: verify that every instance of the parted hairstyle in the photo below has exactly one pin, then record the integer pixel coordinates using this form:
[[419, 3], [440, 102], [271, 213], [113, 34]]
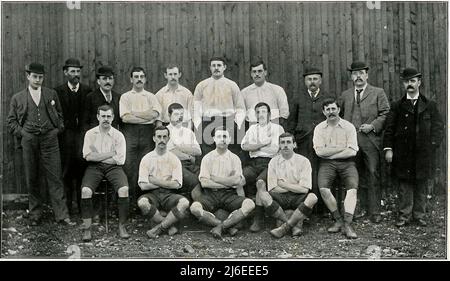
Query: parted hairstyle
[[137, 69], [174, 106], [161, 128], [105, 107]]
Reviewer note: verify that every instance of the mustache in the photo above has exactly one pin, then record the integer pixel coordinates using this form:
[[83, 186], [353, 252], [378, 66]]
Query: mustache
[[107, 84], [410, 87], [139, 82]]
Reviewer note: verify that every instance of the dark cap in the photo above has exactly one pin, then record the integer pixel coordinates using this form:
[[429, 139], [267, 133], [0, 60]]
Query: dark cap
[[312, 70], [409, 73], [358, 65], [72, 62], [105, 70], [35, 68]]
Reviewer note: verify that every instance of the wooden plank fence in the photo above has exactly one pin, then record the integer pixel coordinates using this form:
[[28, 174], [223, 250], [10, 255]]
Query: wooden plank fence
[[287, 35]]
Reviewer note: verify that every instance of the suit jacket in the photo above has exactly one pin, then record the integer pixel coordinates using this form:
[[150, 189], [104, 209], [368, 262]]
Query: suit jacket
[[414, 142], [89, 114], [18, 110], [64, 93], [374, 109], [306, 113]]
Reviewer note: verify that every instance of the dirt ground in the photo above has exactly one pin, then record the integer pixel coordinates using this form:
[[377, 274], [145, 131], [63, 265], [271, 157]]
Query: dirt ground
[[385, 241]]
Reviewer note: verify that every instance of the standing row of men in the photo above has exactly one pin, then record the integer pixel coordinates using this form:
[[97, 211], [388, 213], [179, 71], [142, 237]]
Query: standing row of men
[[36, 116]]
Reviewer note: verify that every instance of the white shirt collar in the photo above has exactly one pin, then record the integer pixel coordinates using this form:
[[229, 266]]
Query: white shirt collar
[[33, 91], [412, 98], [363, 89], [101, 90], [317, 92]]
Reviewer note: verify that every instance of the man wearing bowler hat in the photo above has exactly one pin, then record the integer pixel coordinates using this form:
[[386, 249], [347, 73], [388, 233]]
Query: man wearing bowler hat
[[306, 114], [35, 118], [103, 95], [72, 95], [414, 130], [366, 107]]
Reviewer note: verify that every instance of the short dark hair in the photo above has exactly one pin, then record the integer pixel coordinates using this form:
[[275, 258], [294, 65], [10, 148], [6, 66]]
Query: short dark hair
[[260, 104], [286, 135], [174, 106], [161, 128], [170, 66], [217, 58], [105, 107], [329, 101], [137, 69], [257, 63]]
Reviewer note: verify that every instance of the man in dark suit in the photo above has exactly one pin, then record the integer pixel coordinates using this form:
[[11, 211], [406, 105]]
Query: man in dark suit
[[366, 107], [72, 95], [35, 118], [306, 114], [414, 130], [103, 95]]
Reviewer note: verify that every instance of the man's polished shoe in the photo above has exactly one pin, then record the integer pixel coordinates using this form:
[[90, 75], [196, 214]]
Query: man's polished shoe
[[421, 222], [401, 223], [376, 218], [349, 231], [87, 236], [336, 227], [67, 222]]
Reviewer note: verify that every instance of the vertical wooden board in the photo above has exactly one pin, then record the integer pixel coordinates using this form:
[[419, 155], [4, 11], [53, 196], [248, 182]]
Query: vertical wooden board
[[83, 55], [92, 56], [384, 52], [433, 59], [296, 64], [151, 17], [334, 13], [263, 29], [306, 33], [7, 157], [254, 15], [424, 62], [229, 42], [298, 46], [396, 49], [197, 48], [186, 43], [407, 26], [379, 44], [358, 13], [348, 46], [415, 35], [141, 42], [245, 35], [326, 56], [281, 74]]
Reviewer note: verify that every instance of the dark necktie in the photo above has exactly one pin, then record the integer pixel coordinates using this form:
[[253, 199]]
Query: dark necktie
[[358, 96], [313, 94], [108, 97], [413, 102]]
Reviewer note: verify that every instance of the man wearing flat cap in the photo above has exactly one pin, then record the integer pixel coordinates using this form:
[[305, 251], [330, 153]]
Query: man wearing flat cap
[[306, 114], [414, 130], [35, 119], [72, 95], [103, 95], [366, 107]]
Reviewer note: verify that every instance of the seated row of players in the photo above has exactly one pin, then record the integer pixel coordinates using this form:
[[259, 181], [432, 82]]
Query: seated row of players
[[278, 178]]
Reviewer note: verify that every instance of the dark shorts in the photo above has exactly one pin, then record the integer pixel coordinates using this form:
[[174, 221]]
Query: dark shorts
[[256, 170], [214, 199], [288, 200], [190, 177], [162, 198], [94, 174], [330, 169]]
